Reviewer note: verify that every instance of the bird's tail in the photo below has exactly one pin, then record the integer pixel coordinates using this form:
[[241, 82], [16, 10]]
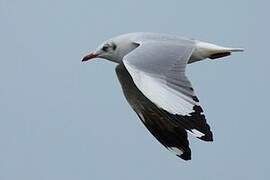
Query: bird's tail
[[222, 52], [208, 50], [236, 49]]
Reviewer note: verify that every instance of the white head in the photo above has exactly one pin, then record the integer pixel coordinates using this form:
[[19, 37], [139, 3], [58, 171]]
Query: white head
[[113, 49]]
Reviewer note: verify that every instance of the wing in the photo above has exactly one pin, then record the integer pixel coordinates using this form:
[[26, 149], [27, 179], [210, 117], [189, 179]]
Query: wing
[[158, 70], [168, 132]]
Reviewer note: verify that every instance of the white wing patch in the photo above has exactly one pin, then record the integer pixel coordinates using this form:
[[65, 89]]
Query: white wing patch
[[160, 94], [141, 116], [176, 151], [197, 133]]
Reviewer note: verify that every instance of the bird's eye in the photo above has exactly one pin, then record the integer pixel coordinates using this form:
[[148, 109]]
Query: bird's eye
[[105, 48]]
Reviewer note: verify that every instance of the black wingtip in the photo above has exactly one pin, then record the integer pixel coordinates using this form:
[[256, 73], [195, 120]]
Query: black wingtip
[[207, 137], [185, 156]]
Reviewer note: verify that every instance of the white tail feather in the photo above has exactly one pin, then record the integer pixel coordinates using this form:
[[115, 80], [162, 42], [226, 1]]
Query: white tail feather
[[207, 50], [235, 49]]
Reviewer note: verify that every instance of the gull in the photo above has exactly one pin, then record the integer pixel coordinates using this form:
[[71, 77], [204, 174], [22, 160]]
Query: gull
[[151, 70]]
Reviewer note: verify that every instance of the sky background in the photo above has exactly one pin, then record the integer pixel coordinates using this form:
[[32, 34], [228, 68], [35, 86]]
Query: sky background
[[61, 119]]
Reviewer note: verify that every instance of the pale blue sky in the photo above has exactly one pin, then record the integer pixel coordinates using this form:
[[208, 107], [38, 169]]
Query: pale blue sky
[[61, 119]]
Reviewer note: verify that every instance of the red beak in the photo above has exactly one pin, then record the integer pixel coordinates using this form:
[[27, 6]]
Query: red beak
[[89, 56]]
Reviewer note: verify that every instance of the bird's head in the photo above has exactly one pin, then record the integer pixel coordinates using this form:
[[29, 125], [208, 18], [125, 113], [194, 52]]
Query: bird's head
[[113, 49], [107, 51]]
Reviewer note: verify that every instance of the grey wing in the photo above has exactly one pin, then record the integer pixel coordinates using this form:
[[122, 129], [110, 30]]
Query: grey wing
[[169, 133], [158, 70]]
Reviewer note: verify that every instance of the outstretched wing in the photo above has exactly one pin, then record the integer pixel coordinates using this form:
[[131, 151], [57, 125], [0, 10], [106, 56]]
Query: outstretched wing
[[158, 71], [167, 131]]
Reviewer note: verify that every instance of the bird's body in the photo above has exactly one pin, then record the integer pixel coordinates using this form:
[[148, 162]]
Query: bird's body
[[152, 75], [202, 50]]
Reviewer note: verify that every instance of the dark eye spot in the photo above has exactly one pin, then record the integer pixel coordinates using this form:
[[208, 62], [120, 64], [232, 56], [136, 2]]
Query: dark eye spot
[[105, 48]]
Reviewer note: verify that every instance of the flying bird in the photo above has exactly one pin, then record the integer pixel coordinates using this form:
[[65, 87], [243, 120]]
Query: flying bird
[[151, 70]]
